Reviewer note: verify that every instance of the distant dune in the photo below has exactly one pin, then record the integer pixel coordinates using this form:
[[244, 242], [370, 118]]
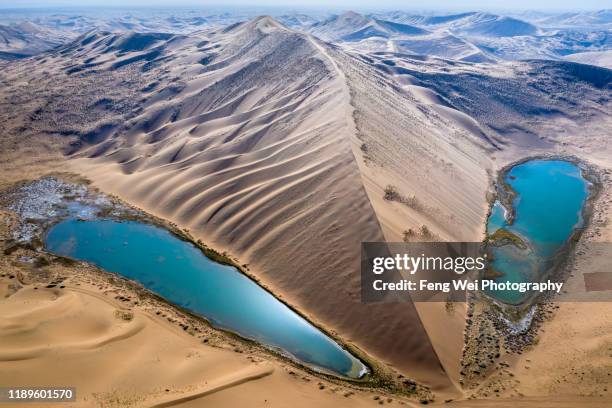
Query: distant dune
[[490, 25], [352, 26], [372, 34], [599, 58], [26, 39]]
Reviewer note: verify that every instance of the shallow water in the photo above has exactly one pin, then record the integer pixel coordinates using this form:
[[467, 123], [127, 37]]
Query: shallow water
[[179, 272], [550, 195]]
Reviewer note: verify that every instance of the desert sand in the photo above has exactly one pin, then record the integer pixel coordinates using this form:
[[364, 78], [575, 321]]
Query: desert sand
[[143, 361], [277, 147]]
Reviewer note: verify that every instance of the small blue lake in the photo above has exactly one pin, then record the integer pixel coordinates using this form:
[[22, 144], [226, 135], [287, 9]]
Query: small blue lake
[[178, 271], [550, 196]]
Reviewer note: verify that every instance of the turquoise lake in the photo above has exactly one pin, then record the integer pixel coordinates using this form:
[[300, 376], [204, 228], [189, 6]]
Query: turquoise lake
[[550, 196], [179, 272]]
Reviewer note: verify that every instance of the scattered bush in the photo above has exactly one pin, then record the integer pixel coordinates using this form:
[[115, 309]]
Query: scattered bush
[[408, 234], [391, 193], [124, 315], [422, 234]]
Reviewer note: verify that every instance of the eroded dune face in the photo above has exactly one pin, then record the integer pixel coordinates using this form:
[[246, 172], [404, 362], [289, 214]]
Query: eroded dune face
[[278, 147], [246, 137], [254, 152]]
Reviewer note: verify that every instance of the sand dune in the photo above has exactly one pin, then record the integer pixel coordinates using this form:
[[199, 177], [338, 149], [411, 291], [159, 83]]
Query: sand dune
[[220, 384], [599, 58], [351, 26], [277, 147], [368, 34], [267, 172], [23, 39], [490, 25], [515, 37], [141, 362]]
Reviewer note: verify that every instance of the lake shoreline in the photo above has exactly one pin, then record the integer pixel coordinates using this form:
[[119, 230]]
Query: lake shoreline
[[505, 194], [377, 376], [179, 271]]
